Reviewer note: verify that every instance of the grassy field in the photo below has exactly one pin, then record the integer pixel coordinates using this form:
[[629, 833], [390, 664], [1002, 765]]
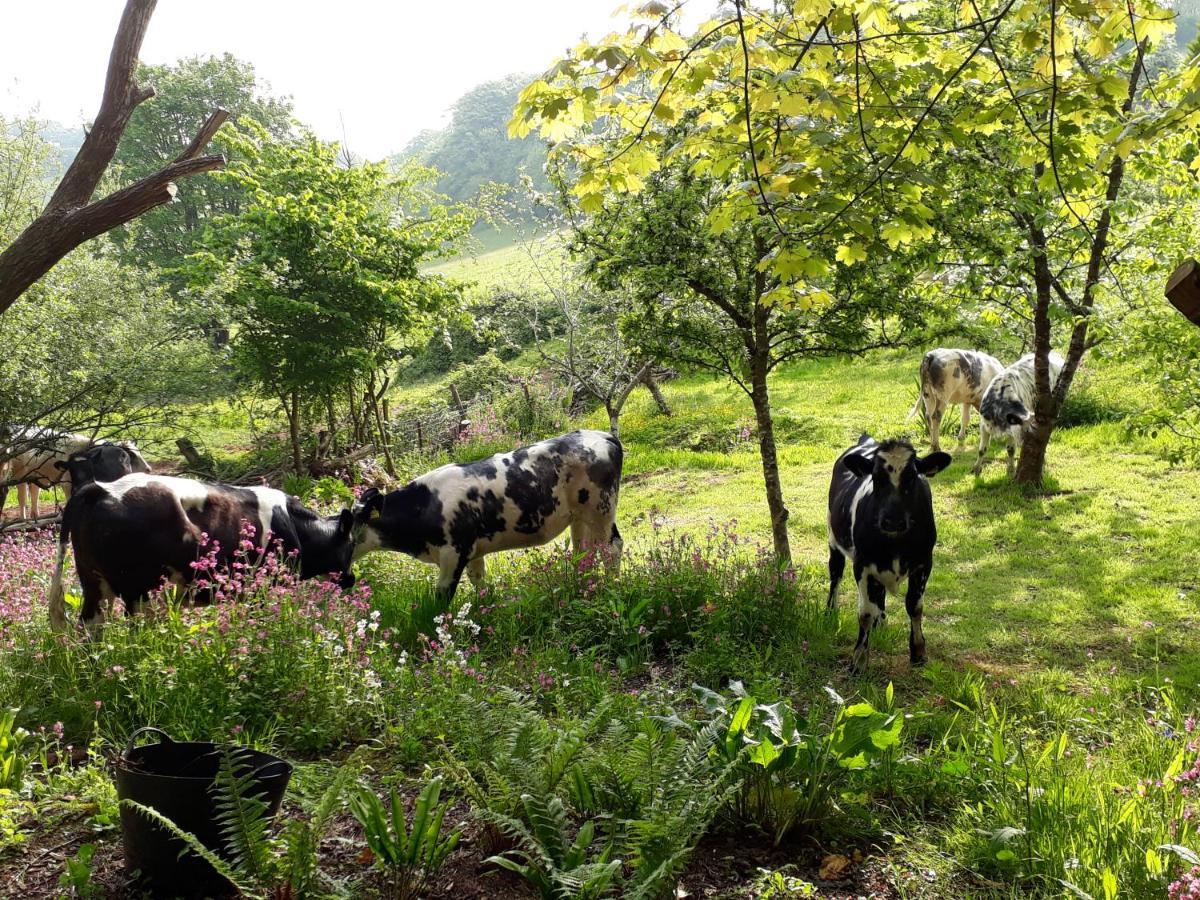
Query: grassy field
[[1046, 749]]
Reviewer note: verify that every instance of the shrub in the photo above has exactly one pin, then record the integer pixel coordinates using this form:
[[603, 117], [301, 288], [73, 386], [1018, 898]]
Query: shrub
[[407, 854]]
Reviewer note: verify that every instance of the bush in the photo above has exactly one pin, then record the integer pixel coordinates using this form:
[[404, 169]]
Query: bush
[[301, 664]]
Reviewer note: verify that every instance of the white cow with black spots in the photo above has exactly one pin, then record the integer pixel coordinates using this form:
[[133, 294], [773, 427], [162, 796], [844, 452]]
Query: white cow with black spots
[[454, 516], [950, 377], [1007, 409]]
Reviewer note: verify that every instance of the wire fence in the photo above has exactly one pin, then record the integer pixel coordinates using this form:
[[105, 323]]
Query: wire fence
[[521, 406]]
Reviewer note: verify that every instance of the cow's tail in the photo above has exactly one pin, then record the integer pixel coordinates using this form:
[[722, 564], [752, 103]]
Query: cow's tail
[[920, 388], [916, 406], [56, 600]]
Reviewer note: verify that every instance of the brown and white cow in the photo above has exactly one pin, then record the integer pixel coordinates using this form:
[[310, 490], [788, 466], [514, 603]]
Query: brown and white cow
[[36, 464], [454, 516], [131, 534], [950, 377]]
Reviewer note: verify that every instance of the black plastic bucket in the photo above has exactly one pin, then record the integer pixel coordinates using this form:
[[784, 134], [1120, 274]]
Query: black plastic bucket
[[174, 778]]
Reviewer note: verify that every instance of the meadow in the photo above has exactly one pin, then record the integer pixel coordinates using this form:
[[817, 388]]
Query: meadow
[[690, 722]]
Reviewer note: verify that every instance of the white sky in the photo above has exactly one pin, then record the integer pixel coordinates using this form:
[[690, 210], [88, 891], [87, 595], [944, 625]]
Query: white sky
[[386, 68]]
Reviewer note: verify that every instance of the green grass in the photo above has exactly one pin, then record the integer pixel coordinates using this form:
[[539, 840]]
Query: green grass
[[516, 264], [1018, 583], [1046, 743]]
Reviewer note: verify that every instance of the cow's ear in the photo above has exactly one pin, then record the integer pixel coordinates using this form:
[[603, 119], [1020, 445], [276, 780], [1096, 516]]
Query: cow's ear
[[369, 504], [859, 464], [933, 463], [345, 522]]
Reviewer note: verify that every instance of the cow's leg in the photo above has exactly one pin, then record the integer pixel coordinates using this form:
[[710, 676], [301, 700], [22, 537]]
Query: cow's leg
[[837, 567], [96, 596], [871, 594], [34, 491], [477, 572], [1014, 445], [933, 420], [615, 546], [451, 565], [913, 601], [966, 420], [984, 436], [23, 499], [5, 469]]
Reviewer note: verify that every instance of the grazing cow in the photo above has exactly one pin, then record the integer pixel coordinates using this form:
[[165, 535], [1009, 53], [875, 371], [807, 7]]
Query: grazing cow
[[881, 519], [130, 534], [949, 377], [453, 516], [36, 468], [1007, 408]]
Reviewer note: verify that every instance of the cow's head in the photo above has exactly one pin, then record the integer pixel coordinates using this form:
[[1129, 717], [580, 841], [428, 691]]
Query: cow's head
[[896, 473], [1003, 410], [335, 554], [104, 462], [137, 462], [366, 509]]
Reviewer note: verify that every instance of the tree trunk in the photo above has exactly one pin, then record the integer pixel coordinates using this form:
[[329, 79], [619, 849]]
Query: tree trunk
[[655, 390], [1031, 467], [71, 218], [293, 414], [384, 444], [761, 399], [331, 421]]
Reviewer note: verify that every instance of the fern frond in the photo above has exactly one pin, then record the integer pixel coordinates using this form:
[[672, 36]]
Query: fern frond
[[241, 816], [227, 871]]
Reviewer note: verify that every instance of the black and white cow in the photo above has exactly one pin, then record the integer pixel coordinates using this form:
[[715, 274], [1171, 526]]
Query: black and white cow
[[1007, 408], [881, 519], [130, 534], [950, 377], [454, 516], [104, 462], [35, 465]]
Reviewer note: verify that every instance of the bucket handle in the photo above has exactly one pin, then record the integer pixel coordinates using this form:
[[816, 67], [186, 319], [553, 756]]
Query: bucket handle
[[258, 773], [166, 738]]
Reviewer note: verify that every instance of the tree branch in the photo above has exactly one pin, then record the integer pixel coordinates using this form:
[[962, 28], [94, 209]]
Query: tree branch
[[68, 220]]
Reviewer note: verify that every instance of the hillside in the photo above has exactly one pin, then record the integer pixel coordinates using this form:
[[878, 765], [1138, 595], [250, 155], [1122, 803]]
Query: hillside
[[474, 148]]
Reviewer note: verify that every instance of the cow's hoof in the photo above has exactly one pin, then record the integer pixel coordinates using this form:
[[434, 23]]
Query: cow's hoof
[[857, 666], [917, 661]]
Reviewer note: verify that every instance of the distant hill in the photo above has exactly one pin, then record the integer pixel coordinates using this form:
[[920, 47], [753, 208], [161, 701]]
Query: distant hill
[[474, 149], [66, 140]]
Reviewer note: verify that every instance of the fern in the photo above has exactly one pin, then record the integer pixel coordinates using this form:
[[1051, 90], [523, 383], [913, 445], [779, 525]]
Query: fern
[[685, 796], [547, 858], [408, 853], [241, 815], [196, 846], [302, 839]]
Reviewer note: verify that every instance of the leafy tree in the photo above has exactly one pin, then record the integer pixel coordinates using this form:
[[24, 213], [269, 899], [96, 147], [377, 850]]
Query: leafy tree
[[714, 302], [23, 157], [185, 93], [320, 269], [97, 350], [821, 122]]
